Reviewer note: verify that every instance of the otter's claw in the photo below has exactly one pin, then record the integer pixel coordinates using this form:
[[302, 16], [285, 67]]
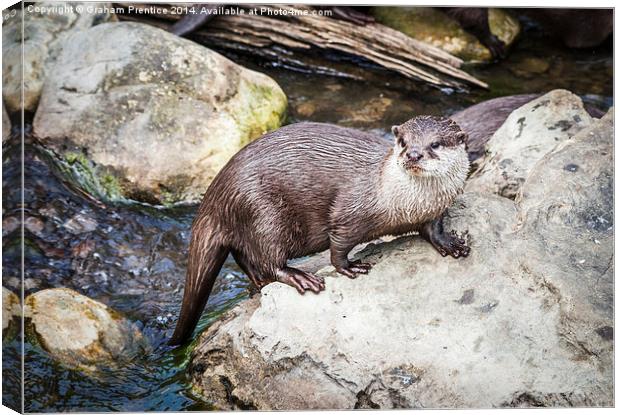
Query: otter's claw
[[450, 244], [354, 268], [301, 281], [445, 243]]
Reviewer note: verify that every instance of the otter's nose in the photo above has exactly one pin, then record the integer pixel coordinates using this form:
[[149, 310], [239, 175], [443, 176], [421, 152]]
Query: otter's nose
[[414, 155]]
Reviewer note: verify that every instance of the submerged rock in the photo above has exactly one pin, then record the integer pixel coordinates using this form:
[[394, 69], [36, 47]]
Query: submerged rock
[[527, 134], [525, 320], [80, 331], [44, 34], [11, 311], [157, 114], [432, 26], [530, 67]]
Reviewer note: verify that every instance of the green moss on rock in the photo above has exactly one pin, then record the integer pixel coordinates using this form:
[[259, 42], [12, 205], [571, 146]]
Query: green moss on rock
[[436, 28], [261, 108], [95, 180]]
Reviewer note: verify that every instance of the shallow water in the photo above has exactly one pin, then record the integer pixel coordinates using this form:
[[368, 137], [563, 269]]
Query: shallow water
[[133, 257]]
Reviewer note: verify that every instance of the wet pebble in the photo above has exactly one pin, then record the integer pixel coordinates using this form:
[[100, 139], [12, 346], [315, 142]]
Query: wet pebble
[[9, 224], [80, 223], [34, 225]]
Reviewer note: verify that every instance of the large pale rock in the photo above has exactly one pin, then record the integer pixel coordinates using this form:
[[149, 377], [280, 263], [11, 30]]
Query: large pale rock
[[158, 115], [11, 311], [481, 120], [525, 320], [80, 331], [572, 187], [528, 134], [432, 26], [46, 26]]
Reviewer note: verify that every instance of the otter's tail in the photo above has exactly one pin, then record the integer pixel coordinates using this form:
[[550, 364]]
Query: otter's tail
[[206, 257]]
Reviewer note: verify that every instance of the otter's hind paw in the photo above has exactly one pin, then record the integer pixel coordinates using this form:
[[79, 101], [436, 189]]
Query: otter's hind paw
[[354, 268], [300, 280]]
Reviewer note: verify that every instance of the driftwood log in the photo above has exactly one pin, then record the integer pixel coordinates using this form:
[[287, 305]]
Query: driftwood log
[[286, 38]]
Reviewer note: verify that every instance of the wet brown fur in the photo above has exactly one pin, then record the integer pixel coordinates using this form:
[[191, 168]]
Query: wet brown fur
[[306, 188]]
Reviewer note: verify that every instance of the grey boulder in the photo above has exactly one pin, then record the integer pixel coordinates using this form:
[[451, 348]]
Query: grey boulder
[[150, 116], [528, 133]]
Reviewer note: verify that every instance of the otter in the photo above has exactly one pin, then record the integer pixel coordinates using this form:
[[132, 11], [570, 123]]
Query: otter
[[576, 28], [309, 187]]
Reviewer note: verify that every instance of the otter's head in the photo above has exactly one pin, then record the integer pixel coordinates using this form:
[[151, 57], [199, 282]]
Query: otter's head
[[430, 146]]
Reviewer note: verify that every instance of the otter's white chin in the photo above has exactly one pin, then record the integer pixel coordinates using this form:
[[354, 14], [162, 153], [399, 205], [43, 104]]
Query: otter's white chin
[[416, 170]]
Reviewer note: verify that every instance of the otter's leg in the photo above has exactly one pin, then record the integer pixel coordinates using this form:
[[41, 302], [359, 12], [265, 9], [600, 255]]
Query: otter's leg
[[300, 280], [269, 255], [257, 280], [444, 243], [339, 253], [475, 20]]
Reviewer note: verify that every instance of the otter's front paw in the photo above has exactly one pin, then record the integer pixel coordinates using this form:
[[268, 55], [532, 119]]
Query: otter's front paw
[[354, 268], [450, 244]]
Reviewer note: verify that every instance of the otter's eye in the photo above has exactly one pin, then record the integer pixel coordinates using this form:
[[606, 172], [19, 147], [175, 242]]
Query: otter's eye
[[401, 142], [435, 145]]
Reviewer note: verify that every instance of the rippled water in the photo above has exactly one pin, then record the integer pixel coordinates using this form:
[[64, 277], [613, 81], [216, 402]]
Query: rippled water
[[134, 260]]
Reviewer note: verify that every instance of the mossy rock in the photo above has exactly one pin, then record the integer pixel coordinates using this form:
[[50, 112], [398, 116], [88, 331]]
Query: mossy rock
[[438, 29], [156, 117], [79, 331]]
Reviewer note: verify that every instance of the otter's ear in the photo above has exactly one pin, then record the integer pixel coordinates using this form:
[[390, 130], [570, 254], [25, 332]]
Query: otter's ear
[[395, 130], [461, 137]]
